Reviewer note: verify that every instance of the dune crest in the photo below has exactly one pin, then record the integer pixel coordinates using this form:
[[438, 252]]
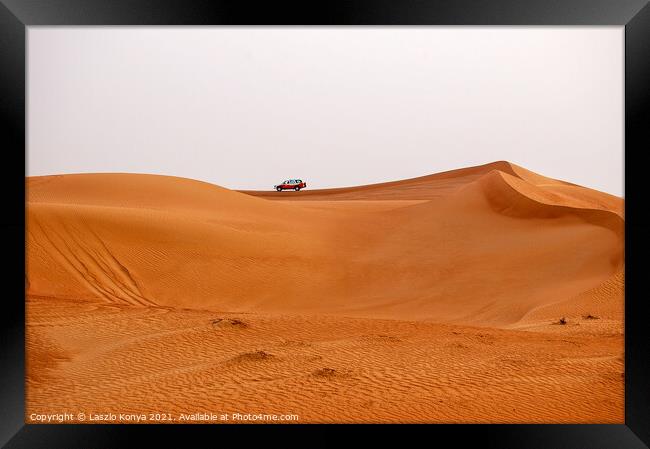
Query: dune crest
[[420, 188], [515, 196]]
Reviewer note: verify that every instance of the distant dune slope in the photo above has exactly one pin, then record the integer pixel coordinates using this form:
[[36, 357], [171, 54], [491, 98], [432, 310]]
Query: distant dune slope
[[442, 184], [484, 245]]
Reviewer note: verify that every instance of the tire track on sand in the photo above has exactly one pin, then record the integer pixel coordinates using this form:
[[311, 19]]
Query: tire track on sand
[[90, 260]]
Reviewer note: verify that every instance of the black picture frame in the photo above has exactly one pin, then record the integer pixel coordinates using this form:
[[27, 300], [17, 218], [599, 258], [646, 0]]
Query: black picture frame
[[16, 15]]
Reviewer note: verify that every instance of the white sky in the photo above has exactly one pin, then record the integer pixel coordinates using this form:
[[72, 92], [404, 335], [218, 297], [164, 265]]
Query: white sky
[[246, 107]]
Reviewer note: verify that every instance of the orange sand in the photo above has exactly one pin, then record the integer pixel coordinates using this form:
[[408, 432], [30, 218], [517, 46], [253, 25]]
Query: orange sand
[[434, 299]]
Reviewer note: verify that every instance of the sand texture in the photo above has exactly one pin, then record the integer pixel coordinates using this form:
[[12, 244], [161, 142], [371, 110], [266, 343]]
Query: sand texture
[[484, 294]]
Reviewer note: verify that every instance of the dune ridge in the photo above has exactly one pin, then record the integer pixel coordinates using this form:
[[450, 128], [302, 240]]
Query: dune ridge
[[512, 195], [436, 185]]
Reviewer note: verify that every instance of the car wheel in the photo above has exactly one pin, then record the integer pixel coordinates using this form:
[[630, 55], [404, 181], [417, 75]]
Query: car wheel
[[279, 189], [296, 188]]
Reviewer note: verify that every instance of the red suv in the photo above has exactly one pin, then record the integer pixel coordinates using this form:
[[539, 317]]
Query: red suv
[[291, 184]]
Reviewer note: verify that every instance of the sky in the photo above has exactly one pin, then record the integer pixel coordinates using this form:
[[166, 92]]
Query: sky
[[247, 107]]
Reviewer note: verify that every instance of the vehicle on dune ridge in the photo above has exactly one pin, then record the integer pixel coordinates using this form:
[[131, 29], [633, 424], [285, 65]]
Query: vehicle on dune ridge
[[290, 184]]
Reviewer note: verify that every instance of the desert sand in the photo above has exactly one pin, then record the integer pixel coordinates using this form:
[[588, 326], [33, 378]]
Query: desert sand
[[485, 294]]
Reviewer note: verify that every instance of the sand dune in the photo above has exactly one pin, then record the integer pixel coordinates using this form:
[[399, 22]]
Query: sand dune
[[494, 250]]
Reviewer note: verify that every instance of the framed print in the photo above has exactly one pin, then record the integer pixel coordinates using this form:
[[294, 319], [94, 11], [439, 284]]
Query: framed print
[[358, 213]]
